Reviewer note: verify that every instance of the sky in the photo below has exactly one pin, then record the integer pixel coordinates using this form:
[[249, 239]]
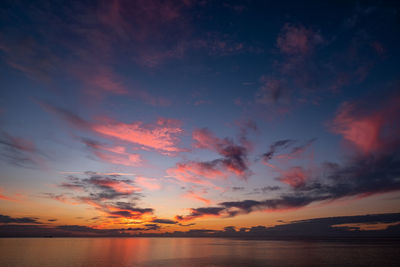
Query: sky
[[162, 116]]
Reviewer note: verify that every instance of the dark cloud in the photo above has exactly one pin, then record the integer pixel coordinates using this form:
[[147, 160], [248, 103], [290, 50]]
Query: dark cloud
[[276, 146], [266, 189], [311, 228], [107, 193], [388, 225], [286, 148], [102, 187], [361, 176], [152, 226], [8, 219], [233, 159], [201, 212], [237, 188], [234, 155], [164, 221]]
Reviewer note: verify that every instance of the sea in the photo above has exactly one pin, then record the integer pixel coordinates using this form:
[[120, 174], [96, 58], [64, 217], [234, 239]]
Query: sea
[[99, 252]]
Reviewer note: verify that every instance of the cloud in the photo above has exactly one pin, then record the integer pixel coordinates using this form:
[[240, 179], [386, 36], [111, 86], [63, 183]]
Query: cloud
[[368, 128], [148, 183], [108, 194], [196, 196], [66, 115], [276, 146], [164, 221], [310, 66], [102, 186], [294, 176], [284, 150], [234, 156], [27, 220], [88, 40], [62, 198], [15, 230], [113, 154], [265, 189], [233, 160], [28, 56], [362, 175], [237, 188], [127, 210], [297, 40], [385, 225], [162, 136], [16, 197], [193, 171], [201, 212], [19, 151], [273, 91]]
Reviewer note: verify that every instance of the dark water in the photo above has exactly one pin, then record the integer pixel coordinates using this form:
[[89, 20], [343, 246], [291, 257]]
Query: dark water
[[193, 252]]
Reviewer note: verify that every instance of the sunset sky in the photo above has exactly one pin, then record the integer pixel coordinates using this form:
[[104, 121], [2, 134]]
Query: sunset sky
[[164, 116]]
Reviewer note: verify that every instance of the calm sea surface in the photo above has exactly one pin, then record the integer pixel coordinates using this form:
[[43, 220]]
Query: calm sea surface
[[192, 252]]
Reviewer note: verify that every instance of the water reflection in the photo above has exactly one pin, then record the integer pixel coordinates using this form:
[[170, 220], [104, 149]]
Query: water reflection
[[191, 252]]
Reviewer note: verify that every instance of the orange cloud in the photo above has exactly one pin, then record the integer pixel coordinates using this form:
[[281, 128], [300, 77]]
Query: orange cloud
[[117, 186], [8, 198], [196, 196]]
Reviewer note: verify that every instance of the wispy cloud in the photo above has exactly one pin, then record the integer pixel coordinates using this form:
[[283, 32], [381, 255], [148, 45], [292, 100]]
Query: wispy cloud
[[161, 136], [148, 183], [297, 40], [113, 154], [197, 196], [20, 151]]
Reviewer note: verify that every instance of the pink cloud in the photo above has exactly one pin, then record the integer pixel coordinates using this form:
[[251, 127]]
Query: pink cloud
[[199, 169], [129, 160], [117, 185], [191, 172], [103, 80], [148, 183], [234, 156], [196, 196], [113, 154], [369, 130], [22, 144], [162, 136], [16, 197], [295, 177]]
